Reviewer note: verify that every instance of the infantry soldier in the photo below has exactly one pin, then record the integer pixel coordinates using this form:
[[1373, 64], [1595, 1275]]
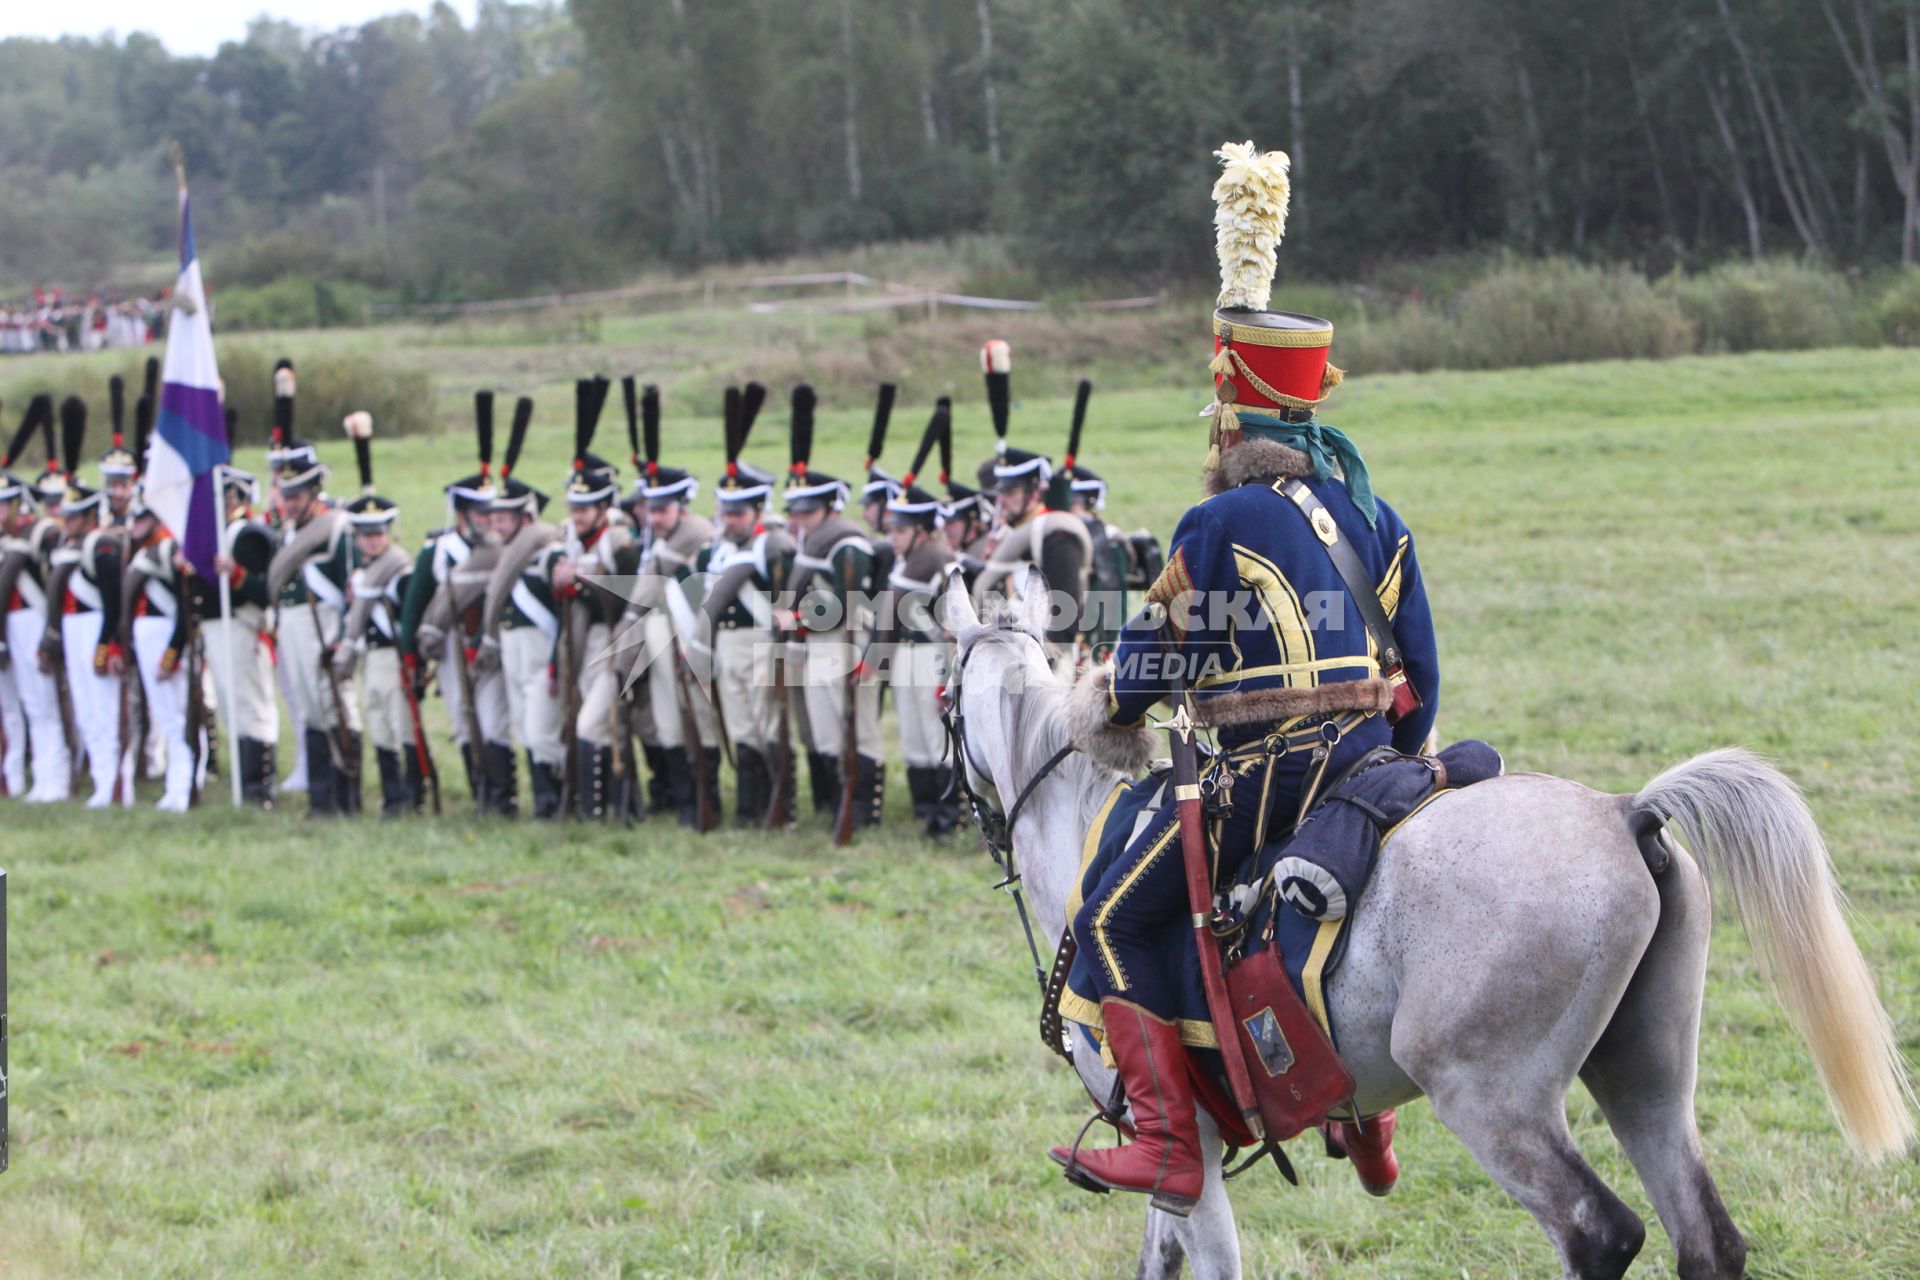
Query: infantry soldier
[[441, 624], [747, 569], [1029, 533], [308, 584], [1077, 491], [158, 628], [1286, 487], [29, 694], [520, 625], [119, 469], [598, 542], [372, 630], [85, 596], [969, 528], [679, 721], [834, 575], [287, 455], [238, 646], [917, 666]]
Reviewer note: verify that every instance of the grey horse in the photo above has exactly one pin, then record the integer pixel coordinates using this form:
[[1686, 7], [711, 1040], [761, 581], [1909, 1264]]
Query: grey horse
[[1586, 964]]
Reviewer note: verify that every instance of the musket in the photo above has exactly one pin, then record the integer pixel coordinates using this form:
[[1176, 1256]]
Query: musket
[[570, 708], [622, 801], [427, 770], [849, 762], [476, 745], [780, 794]]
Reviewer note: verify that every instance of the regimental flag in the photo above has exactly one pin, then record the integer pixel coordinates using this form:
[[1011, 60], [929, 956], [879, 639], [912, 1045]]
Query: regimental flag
[[190, 432]]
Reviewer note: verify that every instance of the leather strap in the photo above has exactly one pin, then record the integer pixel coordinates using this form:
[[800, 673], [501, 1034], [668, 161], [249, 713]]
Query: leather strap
[[1346, 562]]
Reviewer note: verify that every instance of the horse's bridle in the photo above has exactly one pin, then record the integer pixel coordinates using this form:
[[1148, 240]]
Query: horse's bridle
[[996, 828]]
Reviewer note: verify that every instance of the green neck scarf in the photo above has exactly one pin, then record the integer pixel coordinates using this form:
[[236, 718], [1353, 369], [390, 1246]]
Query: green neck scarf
[[1329, 449]]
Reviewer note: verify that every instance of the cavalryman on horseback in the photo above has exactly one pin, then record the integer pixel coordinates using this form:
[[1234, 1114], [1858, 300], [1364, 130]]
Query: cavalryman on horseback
[[1270, 642]]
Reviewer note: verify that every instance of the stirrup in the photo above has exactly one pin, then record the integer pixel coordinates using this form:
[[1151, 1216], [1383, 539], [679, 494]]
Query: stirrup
[[1075, 1172]]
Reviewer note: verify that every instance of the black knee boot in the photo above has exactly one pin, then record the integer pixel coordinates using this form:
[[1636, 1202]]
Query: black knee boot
[[823, 780], [869, 791], [593, 780], [413, 781], [919, 783], [752, 785], [544, 781], [497, 760], [711, 755], [256, 772], [393, 784], [943, 811], [323, 789], [659, 778]]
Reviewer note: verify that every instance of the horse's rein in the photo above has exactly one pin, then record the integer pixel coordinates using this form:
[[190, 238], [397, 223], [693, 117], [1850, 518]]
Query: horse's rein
[[996, 829]]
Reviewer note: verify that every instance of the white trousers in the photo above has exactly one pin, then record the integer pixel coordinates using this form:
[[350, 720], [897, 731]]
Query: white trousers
[[96, 710], [743, 676], [536, 713], [13, 728], [831, 656], [44, 732], [309, 690], [166, 709], [244, 694], [918, 673], [389, 723], [665, 688], [489, 697]]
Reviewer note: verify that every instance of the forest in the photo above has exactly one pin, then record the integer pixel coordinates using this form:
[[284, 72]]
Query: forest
[[566, 146]]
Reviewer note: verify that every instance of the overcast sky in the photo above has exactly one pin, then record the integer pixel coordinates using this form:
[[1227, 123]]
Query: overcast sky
[[196, 26]]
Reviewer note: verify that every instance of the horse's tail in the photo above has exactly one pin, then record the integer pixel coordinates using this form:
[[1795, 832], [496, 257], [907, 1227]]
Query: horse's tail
[[1752, 830]]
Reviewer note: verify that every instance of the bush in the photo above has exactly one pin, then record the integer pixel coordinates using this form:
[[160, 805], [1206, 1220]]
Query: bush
[[1526, 313], [1897, 312], [1768, 306], [292, 302], [332, 384]]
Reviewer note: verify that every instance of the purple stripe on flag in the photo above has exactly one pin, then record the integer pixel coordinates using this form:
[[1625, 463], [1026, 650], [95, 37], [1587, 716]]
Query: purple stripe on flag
[[192, 422], [201, 541]]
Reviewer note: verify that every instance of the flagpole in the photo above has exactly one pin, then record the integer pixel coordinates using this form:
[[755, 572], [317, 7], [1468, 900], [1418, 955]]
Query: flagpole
[[226, 614]]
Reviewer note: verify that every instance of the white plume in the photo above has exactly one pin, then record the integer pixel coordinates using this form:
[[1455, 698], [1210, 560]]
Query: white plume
[[1249, 217]]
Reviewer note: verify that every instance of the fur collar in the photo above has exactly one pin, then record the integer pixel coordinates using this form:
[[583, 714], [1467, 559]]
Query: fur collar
[[1255, 459]]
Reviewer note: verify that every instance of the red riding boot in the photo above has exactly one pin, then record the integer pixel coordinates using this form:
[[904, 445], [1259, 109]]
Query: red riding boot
[[1163, 1160], [1370, 1147]]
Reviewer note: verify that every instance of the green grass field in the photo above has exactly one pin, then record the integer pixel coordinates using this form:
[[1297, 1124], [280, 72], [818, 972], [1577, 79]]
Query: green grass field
[[247, 1045]]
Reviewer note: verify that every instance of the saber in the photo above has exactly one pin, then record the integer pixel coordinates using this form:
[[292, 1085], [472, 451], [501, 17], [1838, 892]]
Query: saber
[[1193, 844]]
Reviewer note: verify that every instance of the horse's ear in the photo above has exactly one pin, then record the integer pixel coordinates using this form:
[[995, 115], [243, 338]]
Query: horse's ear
[[1036, 605], [953, 607]]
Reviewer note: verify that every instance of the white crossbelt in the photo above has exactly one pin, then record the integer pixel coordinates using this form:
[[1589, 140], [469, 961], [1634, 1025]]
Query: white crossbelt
[[84, 589], [162, 599], [322, 586], [530, 605]]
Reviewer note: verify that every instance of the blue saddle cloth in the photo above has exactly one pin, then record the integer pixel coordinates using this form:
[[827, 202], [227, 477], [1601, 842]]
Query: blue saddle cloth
[[1308, 883]]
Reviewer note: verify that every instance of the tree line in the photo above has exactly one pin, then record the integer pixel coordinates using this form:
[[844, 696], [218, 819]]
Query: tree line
[[547, 145]]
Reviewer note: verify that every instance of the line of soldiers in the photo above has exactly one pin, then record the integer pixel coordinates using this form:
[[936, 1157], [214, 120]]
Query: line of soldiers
[[624, 653]]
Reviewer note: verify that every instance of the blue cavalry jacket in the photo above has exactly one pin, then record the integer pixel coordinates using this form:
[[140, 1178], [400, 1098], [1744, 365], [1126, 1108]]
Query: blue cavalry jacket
[[1261, 616]]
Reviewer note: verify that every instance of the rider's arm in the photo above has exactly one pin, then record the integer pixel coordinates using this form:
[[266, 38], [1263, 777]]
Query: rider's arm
[[1404, 594]]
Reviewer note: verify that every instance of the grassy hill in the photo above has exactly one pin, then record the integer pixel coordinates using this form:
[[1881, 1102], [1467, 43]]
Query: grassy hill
[[250, 1045]]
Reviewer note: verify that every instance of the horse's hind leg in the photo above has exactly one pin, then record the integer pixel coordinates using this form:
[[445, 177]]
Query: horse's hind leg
[[1642, 1074], [1519, 1135]]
